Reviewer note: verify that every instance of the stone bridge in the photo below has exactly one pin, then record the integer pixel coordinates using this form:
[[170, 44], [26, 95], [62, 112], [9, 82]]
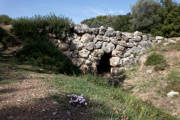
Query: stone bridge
[[101, 50]]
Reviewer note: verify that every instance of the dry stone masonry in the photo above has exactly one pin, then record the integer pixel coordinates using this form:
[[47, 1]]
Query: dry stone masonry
[[102, 50]]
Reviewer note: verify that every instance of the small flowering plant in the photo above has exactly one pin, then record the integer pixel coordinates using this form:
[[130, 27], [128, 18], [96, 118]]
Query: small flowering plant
[[77, 100]]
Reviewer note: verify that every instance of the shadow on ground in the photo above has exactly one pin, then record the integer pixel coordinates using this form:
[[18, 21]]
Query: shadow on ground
[[50, 108]]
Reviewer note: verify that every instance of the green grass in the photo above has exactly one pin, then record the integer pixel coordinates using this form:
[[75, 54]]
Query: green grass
[[31, 27], [175, 46], [105, 102], [173, 81], [157, 60]]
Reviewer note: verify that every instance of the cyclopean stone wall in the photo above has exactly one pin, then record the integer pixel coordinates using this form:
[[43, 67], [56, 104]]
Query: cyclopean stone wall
[[86, 46]]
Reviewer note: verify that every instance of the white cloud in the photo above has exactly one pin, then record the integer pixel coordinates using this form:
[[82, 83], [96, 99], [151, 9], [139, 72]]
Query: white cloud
[[105, 11]]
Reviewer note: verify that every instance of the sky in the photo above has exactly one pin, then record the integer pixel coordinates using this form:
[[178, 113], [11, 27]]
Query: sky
[[77, 10]]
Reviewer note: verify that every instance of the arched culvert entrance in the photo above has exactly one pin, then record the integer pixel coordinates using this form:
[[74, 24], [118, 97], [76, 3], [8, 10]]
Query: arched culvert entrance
[[104, 64]]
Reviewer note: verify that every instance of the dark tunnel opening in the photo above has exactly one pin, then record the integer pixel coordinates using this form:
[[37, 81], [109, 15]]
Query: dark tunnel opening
[[104, 64]]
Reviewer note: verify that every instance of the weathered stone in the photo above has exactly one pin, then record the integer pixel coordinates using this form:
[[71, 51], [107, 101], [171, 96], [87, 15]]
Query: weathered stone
[[86, 38], [130, 45], [77, 61], [137, 38], [144, 37], [63, 47], [122, 43], [99, 38], [108, 47], [159, 38], [106, 39], [114, 40], [90, 46], [88, 62], [117, 70], [118, 35], [85, 68], [94, 31], [110, 32], [171, 41], [128, 53], [102, 30], [81, 28], [145, 43], [116, 53], [126, 34], [84, 53], [137, 33], [120, 48], [115, 61], [97, 53], [125, 38], [98, 45], [75, 53]]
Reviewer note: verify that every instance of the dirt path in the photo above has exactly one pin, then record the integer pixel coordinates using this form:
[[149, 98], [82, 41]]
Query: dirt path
[[26, 95]]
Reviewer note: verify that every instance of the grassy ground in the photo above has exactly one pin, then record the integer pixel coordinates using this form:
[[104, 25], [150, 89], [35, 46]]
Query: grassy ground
[[104, 101], [152, 86]]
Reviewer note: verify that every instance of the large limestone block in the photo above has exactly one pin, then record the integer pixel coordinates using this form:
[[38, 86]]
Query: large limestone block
[[115, 61], [90, 46], [108, 47], [81, 28], [86, 38], [84, 53]]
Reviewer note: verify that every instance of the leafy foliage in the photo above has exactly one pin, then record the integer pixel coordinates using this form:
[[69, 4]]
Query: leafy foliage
[[105, 21], [149, 16], [41, 25], [37, 49], [6, 39], [4, 19], [44, 54], [157, 60], [122, 23], [142, 15]]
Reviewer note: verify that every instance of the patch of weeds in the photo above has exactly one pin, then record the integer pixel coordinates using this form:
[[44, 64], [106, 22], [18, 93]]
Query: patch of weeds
[[157, 60], [105, 102], [132, 71], [175, 46], [7, 81], [36, 99], [173, 81]]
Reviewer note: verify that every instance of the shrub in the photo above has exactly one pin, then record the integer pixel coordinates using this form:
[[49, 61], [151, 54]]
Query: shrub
[[40, 26], [6, 39], [157, 60], [4, 19], [98, 21], [44, 54], [122, 23]]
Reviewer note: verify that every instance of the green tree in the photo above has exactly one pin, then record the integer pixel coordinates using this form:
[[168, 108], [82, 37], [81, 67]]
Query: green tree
[[144, 15], [122, 23]]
